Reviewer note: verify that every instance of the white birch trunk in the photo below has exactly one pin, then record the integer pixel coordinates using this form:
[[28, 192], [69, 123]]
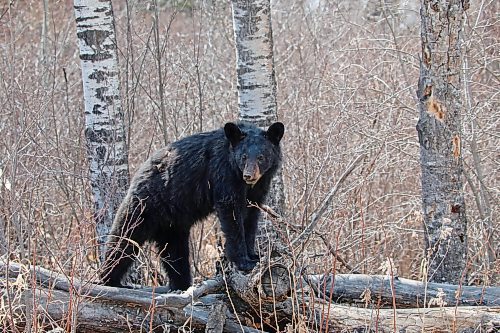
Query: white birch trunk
[[104, 120], [255, 64], [439, 131], [255, 71]]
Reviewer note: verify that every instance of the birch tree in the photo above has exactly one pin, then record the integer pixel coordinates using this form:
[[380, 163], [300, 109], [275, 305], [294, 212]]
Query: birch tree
[[255, 73], [439, 131], [104, 120]]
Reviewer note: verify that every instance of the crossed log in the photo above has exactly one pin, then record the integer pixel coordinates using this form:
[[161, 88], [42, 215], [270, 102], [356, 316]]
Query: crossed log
[[266, 300]]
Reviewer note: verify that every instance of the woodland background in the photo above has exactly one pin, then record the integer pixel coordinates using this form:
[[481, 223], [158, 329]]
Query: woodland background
[[346, 74]]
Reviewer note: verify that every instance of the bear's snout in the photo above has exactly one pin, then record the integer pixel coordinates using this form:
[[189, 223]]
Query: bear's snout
[[251, 174]]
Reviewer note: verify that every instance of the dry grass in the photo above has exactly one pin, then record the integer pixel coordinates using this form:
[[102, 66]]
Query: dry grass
[[346, 77]]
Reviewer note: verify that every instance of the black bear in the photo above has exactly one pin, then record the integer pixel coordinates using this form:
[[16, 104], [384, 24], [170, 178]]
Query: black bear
[[181, 184]]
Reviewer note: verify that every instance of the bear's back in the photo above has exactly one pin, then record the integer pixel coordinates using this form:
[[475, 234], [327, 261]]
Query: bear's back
[[174, 183]]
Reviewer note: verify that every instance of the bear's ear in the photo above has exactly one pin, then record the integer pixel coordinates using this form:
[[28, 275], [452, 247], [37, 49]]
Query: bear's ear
[[275, 132], [233, 133]]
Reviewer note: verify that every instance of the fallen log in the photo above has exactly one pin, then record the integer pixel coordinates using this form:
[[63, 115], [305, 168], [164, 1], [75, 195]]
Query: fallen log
[[271, 283], [263, 295], [405, 293], [145, 297], [101, 315], [97, 308], [264, 301], [217, 318], [335, 318], [89, 314]]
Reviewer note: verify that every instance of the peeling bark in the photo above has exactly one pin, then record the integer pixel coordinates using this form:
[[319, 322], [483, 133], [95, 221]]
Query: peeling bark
[[104, 120], [439, 132]]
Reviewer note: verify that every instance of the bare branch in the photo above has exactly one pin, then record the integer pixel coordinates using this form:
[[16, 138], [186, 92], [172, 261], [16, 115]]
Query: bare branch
[[318, 213]]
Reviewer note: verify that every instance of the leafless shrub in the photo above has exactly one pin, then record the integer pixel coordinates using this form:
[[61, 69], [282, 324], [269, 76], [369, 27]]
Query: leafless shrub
[[346, 76]]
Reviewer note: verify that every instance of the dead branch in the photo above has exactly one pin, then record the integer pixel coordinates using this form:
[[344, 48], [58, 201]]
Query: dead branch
[[318, 213]]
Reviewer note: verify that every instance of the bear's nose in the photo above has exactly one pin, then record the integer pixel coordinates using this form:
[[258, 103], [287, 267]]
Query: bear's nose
[[247, 177]]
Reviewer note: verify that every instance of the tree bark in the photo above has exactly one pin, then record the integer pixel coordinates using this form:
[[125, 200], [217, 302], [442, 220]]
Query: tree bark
[[385, 291], [217, 318], [255, 62], [107, 315], [104, 119], [438, 320], [266, 295], [439, 132], [257, 89], [101, 315]]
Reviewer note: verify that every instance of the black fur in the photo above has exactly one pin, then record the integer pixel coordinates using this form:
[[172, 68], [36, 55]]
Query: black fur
[[183, 183]]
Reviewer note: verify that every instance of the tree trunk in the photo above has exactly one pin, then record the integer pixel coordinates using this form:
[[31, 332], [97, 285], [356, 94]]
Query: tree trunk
[[439, 132], [257, 86], [255, 63], [104, 120]]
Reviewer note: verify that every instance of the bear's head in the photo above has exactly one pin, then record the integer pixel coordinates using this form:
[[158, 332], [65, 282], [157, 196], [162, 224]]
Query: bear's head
[[255, 151]]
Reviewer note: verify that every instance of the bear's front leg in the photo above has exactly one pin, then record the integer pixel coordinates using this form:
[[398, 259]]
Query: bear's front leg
[[251, 224], [232, 223]]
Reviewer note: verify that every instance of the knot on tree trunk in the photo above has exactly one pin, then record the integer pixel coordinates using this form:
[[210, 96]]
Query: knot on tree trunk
[[270, 283]]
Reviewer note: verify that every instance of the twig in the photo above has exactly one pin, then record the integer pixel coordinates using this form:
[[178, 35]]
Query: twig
[[327, 201], [334, 253]]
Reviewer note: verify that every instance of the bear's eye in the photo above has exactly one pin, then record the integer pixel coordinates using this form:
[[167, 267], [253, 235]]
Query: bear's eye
[[260, 158], [244, 157]]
